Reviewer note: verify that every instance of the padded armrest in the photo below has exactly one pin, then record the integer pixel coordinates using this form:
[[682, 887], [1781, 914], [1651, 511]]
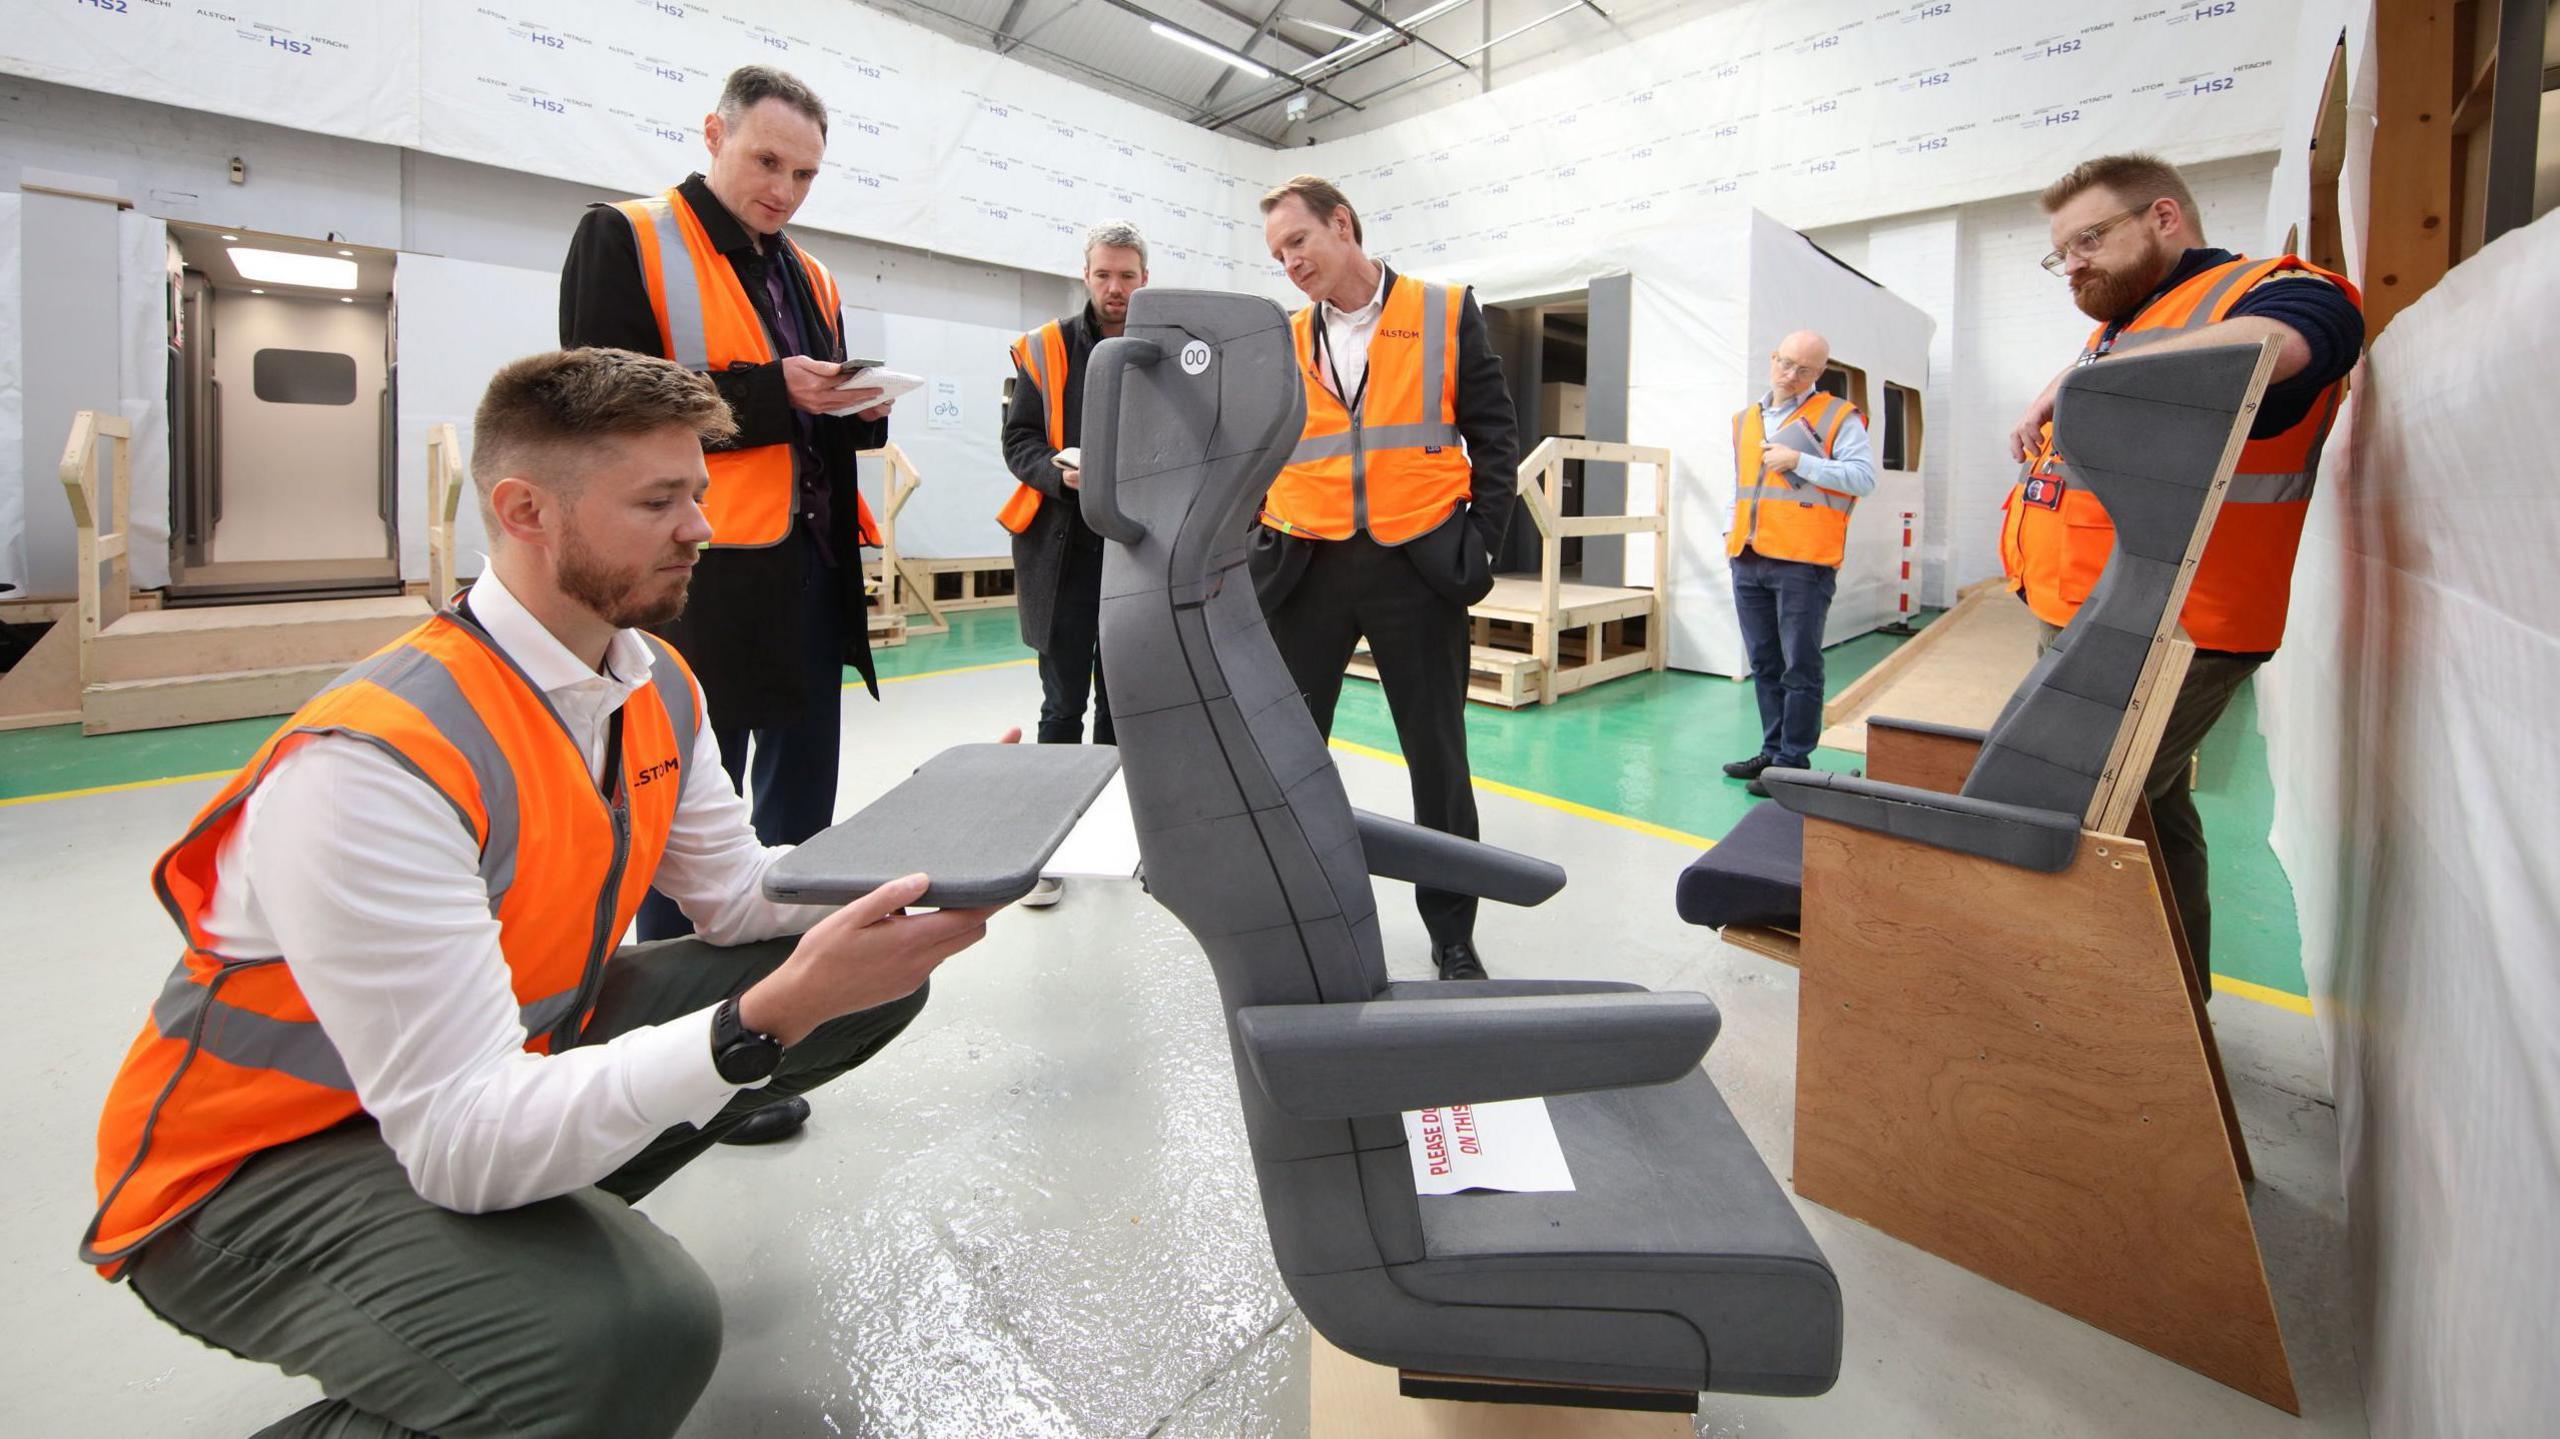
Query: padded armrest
[[1397, 849], [2039, 839], [1929, 727], [1386, 1056]]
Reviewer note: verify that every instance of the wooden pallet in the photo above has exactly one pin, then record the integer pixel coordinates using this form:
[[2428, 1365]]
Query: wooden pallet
[[1533, 640], [896, 586]]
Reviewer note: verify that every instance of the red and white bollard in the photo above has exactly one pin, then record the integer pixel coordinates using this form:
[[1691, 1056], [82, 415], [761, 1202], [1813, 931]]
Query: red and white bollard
[[1902, 617]]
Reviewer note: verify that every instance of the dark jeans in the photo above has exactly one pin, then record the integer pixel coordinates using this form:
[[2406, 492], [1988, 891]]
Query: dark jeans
[[793, 778], [1072, 664], [2213, 681], [1418, 636], [1782, 604], [568, 1316]]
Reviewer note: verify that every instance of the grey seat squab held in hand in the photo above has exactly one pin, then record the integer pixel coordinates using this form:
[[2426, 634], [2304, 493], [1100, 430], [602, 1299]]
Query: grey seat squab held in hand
[[1676, 1264]]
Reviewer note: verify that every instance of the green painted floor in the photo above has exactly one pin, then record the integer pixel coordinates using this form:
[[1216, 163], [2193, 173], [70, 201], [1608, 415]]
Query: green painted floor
[[1648, 748]]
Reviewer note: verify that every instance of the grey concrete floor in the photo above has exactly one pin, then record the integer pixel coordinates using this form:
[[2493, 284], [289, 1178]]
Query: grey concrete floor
[[1033, 1216]]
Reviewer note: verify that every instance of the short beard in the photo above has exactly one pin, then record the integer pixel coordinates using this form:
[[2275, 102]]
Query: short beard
[[610, 593], [2111, 295]]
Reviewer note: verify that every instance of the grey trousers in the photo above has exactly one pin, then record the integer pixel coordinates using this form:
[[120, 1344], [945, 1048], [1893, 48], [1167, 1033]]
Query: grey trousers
[[2213, 681], [570, 1316]]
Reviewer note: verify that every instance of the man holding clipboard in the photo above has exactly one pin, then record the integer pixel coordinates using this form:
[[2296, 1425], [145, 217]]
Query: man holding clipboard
[[703, 275]]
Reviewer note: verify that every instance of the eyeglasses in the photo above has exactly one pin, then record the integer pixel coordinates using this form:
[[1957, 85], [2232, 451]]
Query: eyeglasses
[[1791, 367], [2086, 242]]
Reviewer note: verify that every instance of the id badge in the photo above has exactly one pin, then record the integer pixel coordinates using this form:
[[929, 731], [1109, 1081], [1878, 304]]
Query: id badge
[[2044, 492]]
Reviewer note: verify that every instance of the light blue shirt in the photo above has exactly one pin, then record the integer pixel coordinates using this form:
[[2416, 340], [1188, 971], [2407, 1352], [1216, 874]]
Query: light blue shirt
[[1851, 469]]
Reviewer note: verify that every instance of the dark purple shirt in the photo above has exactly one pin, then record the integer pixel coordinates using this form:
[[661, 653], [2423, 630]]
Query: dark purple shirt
[[788, 340]]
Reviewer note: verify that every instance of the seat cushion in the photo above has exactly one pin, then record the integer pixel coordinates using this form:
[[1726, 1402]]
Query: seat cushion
[[1672, 1211], [1754, 875]]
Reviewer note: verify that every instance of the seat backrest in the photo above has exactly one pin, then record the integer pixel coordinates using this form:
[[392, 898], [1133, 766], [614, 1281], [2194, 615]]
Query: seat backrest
[[2154, 437], [1243, 825]]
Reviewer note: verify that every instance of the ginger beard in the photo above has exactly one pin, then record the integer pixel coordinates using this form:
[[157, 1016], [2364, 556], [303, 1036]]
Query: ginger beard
[[629, 597], [2107, 293]]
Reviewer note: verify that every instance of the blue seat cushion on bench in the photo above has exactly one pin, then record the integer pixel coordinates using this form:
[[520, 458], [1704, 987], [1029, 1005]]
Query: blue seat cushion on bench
[[1754, 875]]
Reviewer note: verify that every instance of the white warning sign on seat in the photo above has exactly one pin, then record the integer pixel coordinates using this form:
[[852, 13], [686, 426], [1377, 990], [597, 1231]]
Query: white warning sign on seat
[[1507, 1145]]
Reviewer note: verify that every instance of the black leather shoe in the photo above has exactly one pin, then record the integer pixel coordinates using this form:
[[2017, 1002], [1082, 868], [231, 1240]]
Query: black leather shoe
[[1750, 768], [1458, 961], [1756, 790], [778, 1120]]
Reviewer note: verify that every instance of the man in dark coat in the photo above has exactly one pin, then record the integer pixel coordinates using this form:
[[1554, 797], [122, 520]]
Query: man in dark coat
[[770, 626]]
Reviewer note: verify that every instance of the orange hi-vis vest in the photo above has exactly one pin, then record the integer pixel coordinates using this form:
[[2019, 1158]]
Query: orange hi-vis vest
[[1394, 467], [2055, 537], [231, 1061], [1042, 354], [1782, 521], [708, 325]]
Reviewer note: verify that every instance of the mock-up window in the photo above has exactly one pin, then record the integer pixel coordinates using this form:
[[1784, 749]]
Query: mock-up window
[[1901, 448], [303, 377]]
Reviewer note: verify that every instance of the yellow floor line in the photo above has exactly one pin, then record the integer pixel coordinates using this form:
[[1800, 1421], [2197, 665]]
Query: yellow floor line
[[955, 670], [1548, 801], [2222, 983], [117, 788], [2243, 989]]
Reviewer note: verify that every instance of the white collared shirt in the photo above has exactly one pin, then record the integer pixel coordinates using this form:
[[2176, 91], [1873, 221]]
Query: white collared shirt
[[356, 871], [1346, 340]]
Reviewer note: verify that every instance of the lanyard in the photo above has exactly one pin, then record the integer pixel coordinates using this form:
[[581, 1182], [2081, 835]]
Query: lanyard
[[1324, 350], [610, 787]]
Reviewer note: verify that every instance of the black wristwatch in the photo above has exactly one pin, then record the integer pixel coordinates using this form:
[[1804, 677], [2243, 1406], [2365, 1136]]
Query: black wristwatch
[[740, 1054]]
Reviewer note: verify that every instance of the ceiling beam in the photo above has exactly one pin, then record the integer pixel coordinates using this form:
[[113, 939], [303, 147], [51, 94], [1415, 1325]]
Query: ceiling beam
[[1004, 28], [1292, 81], [1242, 18], [1383, 18], [1260, 32]]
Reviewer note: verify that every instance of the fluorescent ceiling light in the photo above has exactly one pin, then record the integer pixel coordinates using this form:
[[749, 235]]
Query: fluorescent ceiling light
[[233, 238], [1219, 53], [254, 290], [1320, 25], [284, 267], [350, 254]]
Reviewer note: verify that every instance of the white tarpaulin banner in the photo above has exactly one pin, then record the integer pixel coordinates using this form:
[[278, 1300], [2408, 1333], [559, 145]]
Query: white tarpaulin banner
[[1823, 113], [321, 65], [961, 476], [1818, 111]]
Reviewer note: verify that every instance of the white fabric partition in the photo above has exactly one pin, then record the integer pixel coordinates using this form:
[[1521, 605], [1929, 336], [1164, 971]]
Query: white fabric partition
[[459, 322], [949, 430], [143, 265], [13, 494], [1711, 299], [2407, 722]]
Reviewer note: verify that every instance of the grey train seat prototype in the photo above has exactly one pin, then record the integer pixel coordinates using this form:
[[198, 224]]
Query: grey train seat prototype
[[2149, 434], [1676, 1263]]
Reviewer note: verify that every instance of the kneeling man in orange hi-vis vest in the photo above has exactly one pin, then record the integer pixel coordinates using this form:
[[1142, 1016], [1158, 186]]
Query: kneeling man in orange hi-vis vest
[[1800, 463], [2127, 238], [1385, 522], [385, 1121]]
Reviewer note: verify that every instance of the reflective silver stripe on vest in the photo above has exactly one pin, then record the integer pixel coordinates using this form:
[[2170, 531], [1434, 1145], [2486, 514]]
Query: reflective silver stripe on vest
[[299, 1047], [2270, 489], [244, 1037], [421, 679], [675, 692], [1362, 438], [685, 343], [540, 1015], [1374, 438]]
